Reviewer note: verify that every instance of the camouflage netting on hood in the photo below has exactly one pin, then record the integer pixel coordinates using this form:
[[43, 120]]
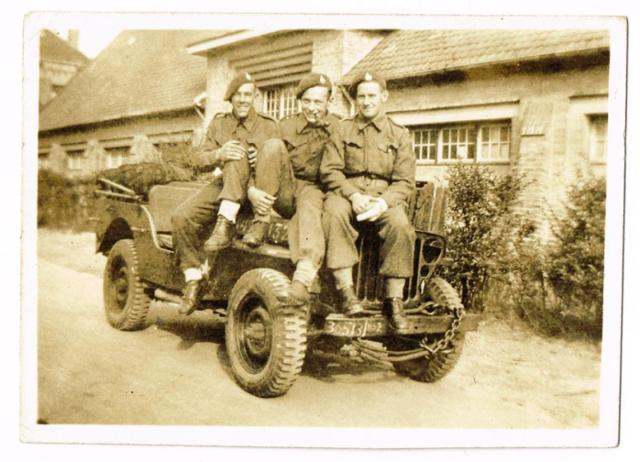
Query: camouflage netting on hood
[[141, 177]]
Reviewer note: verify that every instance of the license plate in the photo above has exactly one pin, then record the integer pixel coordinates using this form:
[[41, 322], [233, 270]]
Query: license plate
[[364, 327]]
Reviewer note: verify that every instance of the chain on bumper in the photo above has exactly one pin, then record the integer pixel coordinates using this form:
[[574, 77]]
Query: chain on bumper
[[371, 350]]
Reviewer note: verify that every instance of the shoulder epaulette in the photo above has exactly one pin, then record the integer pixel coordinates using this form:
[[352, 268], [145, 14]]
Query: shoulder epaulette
[[397, 124]]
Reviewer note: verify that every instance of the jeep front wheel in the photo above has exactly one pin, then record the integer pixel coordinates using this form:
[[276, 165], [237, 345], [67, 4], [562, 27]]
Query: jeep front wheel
[[125, 302], [431, 369], [265, 339]]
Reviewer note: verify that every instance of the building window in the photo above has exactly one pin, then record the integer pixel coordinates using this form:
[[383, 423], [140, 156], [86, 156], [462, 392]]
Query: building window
[[280, 101], [471, 142], [494, 142], [115, 157], [76, 159], [598, 126]]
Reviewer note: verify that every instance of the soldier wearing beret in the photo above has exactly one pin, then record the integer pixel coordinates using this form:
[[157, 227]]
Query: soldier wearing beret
[[287, 181], [369, 169], [232, 141]]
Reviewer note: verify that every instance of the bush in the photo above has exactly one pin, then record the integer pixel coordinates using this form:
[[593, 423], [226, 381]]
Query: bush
[[576, 256], [499, 264], [484, 232], [65, 203]]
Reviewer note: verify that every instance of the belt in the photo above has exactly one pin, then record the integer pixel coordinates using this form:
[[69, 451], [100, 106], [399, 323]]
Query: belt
[[367, 175]]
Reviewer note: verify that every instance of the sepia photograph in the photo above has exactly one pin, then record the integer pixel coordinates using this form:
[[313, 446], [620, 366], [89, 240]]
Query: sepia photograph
[[362, 232]]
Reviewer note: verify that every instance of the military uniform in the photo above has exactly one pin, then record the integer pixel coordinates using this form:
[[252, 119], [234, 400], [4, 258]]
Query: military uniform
[[289, 170], [372, 157], [192, 221]]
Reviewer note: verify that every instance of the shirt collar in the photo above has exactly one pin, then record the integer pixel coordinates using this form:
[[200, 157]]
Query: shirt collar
[[248, 121], [302, 123], [378, 121]]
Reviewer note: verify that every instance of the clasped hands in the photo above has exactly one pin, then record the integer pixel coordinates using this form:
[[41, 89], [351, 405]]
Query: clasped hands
[[367, 208]]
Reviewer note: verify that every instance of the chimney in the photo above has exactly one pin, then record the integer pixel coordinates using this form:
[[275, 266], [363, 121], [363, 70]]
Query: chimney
[[72, 37]]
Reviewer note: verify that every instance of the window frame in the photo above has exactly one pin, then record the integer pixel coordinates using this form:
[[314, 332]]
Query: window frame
[[477, 142], [285, 100], [592, 120], [75, 159]]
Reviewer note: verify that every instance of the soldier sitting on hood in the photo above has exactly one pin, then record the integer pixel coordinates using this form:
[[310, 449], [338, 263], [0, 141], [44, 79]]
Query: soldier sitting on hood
[[287, 181]]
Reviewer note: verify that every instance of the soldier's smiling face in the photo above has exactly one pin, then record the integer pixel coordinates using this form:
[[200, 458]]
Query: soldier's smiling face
[[242, 100], [370, 97], [314, 102]]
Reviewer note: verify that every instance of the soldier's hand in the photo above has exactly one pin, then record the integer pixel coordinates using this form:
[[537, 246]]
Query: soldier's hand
[[360, 202], [231, 150], [260, 200], [251, 156], [380, 206]]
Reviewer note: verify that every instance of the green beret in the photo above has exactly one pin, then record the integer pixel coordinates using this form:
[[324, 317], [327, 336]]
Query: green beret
[[312, 80], [366, 77], [238, 80]]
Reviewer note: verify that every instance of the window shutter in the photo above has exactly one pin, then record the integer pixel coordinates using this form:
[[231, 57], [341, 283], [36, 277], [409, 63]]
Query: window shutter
[[276, 67]]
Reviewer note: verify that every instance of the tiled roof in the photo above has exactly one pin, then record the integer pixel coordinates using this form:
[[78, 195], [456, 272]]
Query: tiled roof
[[411, 53], [54, 48], [140, 72]]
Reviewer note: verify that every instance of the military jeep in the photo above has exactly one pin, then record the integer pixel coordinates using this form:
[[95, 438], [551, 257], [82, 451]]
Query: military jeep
[[266, 341]]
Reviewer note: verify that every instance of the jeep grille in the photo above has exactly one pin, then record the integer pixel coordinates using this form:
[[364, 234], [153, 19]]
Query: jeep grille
[[428, 250]]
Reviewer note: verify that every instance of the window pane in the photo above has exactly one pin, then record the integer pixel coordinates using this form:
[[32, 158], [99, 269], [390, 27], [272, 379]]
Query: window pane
[[504, 151], [504, 134]]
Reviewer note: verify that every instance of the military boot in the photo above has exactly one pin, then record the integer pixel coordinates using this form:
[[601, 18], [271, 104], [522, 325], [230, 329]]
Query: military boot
[[191, 296], [349, 303], [254, 237], [394, 309], [221, 236]]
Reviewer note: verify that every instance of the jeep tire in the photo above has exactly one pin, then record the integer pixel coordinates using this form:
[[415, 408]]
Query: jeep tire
[[125, 302], [432, 369], [265, 340]]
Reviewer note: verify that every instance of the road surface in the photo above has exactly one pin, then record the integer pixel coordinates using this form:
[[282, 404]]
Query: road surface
[[175, 372]]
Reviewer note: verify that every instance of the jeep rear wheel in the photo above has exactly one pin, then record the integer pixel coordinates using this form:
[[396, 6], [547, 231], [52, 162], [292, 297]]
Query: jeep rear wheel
[[434, 368], [125, 302], [265, 339]]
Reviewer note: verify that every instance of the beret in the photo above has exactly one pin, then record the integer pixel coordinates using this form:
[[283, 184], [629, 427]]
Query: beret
[[237, 81], [366, 77], [312, 80]]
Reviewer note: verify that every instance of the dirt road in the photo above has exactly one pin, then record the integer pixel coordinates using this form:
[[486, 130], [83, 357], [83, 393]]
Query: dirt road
[[175, 372]]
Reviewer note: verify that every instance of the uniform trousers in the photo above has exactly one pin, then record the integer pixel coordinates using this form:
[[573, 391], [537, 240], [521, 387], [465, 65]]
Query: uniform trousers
[[192, 223], [297, 198], [341, 232]]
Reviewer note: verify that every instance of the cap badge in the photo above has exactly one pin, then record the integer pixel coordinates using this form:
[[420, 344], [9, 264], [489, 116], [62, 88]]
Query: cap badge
[[322, 80], [368, 77]]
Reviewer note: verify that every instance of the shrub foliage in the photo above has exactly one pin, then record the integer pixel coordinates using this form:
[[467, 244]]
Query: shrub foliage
[[499, 264]]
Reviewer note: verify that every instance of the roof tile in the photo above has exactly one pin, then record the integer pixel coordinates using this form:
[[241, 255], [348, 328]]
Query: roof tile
[[140, 72], [409, 53]]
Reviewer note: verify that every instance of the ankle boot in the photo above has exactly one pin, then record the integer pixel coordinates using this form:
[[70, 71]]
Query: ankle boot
[[254, 237], [191, 296], [221, 236], [349, 302], [394, 309]]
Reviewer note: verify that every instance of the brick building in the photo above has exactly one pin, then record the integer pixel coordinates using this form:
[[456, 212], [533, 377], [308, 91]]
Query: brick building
[[134, 99], [59, 62]]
